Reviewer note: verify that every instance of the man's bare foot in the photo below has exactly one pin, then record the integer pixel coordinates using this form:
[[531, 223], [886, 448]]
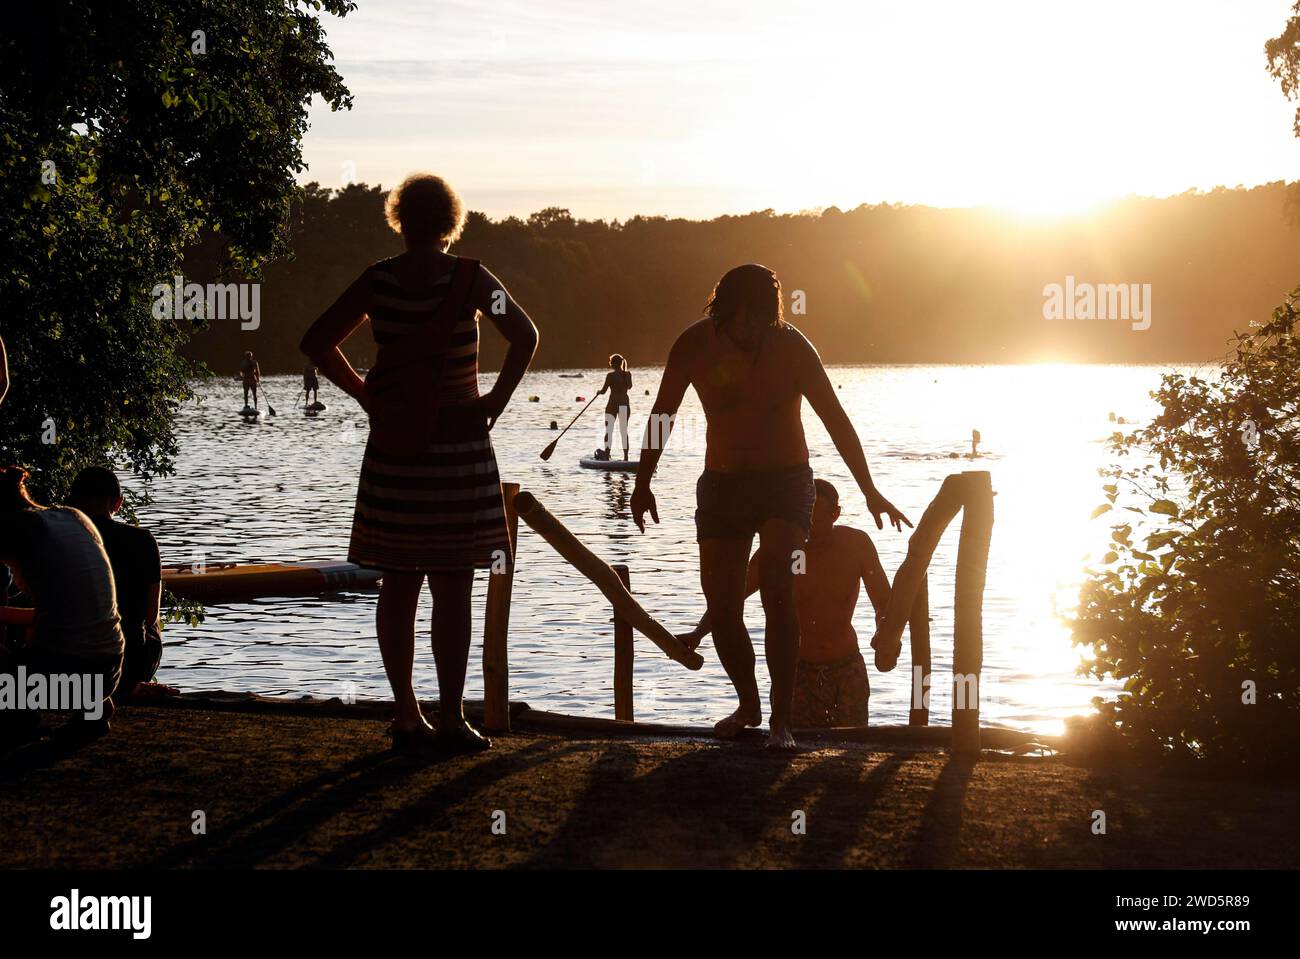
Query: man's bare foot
[[779, 738], [730, 727], [150, 692]]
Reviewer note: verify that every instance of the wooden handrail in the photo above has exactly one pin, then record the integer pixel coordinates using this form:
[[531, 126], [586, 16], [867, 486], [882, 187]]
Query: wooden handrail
[[496, 628], [623, 653], [540, 520], [969, 493]]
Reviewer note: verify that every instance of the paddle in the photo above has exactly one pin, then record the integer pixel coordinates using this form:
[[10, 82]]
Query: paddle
[[546, 453], [269, 408]]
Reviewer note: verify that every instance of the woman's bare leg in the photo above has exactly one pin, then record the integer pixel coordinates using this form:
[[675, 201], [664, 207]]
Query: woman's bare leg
[[611, 422], [399, 594], [451, 636]]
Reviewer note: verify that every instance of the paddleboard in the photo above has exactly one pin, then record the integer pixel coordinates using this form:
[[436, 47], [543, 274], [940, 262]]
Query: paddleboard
[[237, 582], [317, 407], [249, 414], [612, 466]]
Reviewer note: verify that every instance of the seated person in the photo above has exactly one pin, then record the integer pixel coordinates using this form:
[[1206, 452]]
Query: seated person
[[831, 685], [58, 559], [137, 571]]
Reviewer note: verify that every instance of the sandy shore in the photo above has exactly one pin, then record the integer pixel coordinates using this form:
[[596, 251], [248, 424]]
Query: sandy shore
[[286, 788]]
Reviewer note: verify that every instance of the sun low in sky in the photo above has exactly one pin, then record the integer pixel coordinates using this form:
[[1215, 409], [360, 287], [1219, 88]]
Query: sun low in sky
[[696, 108]]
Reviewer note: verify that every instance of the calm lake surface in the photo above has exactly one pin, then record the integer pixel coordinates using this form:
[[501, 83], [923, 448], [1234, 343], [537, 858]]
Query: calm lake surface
[[282, 489]]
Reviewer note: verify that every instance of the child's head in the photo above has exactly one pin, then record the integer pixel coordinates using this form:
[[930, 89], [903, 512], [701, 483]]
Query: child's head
[[826, 508], [617, 362]]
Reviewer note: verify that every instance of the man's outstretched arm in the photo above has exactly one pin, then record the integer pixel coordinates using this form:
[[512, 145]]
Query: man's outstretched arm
[[669, 399], [873, 574], [816, 386]]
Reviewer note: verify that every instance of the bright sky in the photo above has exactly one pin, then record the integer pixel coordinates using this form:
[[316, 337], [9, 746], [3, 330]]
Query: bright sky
[[697, 108]]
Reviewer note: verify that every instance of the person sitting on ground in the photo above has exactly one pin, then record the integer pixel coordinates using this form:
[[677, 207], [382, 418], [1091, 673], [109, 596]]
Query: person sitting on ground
[[58, 560], [310, 384], [618, 381], [251, 374], [137, 572], [831, 687]]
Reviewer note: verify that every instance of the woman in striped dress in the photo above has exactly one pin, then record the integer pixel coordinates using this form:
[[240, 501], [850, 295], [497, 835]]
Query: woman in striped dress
[[429, 499]]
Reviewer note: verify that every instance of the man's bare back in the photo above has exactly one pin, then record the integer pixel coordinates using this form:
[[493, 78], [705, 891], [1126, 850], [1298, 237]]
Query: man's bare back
[[752, 400]]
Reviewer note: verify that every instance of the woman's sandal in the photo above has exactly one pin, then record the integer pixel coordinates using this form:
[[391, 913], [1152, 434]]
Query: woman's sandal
[[461, 739], [420, 739]]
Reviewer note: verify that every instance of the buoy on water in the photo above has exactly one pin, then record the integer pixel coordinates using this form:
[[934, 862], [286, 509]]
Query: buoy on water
[[534, 399], [554, 425]]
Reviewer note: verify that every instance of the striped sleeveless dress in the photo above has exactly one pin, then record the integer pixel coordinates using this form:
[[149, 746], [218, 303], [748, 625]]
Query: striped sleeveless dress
[[438, 510]]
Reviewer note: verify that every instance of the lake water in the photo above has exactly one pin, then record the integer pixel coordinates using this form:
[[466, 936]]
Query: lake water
[[282, 489]]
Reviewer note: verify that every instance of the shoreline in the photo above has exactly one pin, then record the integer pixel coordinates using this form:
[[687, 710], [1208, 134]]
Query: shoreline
[[524, 718], [297, 785]]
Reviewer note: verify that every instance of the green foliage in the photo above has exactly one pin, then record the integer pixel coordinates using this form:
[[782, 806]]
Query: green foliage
[[182, 610], [1283, 53], [883, 284], [1205, 597], [121, 140], [120, 143]]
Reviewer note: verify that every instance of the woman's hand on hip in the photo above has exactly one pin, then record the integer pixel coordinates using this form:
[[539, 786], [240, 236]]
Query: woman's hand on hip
[[492, 405]]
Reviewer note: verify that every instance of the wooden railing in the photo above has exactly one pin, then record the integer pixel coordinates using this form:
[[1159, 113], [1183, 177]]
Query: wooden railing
[[969, 493]]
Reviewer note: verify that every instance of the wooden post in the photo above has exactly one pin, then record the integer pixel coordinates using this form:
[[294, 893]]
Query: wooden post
[[496, 628], [919, 629], [888, 641], [968, 627], [539, 518], [622, 655]]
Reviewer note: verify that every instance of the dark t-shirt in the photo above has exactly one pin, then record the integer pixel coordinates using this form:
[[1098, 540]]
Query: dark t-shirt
[[133, 553]]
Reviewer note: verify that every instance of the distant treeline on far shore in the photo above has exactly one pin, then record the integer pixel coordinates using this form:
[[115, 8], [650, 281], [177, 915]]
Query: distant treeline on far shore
[[879, 284]]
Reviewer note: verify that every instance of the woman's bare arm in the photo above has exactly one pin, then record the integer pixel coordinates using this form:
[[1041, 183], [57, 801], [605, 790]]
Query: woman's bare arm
[[4, 371], [321, 342], [491, 298]]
